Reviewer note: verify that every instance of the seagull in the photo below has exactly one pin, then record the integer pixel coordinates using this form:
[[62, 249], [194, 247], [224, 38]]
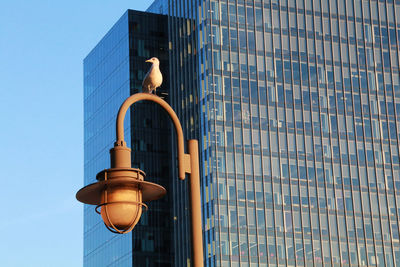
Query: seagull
[[153, 78]]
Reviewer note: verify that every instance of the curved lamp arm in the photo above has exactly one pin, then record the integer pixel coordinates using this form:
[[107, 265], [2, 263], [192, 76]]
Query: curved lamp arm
[[187, 163], [183, 159]]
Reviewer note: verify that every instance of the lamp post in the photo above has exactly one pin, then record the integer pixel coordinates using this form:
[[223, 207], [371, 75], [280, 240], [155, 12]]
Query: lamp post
[[121, 190]]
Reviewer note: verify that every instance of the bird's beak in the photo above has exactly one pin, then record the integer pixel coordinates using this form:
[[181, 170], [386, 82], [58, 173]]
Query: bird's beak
[[149, 60]]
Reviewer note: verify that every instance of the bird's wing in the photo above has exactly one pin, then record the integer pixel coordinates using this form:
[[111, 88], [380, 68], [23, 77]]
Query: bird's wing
[[156, 77], [146, 82]]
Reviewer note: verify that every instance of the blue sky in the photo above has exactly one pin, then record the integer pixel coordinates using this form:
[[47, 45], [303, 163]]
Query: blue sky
[[42, 46]]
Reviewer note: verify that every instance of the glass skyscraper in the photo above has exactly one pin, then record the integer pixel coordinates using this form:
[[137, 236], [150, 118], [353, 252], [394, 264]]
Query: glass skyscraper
[[296, 105]]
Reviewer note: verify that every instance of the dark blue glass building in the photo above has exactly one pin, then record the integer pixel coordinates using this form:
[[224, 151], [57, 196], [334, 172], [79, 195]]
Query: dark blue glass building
[[114, 70]]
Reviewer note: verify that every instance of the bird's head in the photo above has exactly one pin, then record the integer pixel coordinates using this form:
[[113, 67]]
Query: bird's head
[[153, 60]]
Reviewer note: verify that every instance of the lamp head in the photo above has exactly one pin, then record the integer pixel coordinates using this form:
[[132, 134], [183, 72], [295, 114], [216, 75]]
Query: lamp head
[[119, 194]]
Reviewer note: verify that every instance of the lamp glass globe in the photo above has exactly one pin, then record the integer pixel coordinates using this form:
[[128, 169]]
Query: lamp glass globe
[[123, 208]]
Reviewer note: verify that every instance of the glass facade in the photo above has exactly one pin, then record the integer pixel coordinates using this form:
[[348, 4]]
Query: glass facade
[[296, 104], [113, 71]]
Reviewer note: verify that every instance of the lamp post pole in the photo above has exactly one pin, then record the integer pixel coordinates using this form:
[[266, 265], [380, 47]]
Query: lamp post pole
[[187, 163], [195, 202]]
